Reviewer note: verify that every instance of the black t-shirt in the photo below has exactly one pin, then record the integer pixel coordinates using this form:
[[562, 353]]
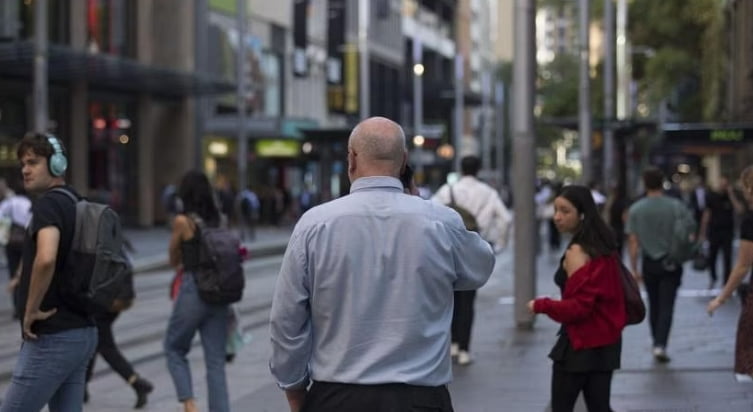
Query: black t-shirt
[[746, 227], [58, 210], [722, 212]]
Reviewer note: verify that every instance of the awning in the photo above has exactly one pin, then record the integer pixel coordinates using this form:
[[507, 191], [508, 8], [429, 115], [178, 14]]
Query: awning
[[108, 72]]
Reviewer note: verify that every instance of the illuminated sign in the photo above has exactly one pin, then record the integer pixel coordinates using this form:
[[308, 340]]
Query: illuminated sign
[[277, 148], [726, 135]]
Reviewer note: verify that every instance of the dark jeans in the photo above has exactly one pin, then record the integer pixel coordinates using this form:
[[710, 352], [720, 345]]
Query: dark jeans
[[721, 241], [661, 287], [462, 318], [566, 386], [395, 397], [108, 349]]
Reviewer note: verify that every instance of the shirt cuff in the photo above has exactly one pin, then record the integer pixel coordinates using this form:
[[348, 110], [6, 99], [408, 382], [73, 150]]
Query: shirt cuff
[[302, 383]]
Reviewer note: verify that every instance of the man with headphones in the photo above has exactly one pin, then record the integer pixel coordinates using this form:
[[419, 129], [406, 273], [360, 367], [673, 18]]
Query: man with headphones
[[59, 338]]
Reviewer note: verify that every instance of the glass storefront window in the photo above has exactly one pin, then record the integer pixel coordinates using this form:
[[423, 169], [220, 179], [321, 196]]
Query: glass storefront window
[[113, 172], [17, 20], [107, 27]]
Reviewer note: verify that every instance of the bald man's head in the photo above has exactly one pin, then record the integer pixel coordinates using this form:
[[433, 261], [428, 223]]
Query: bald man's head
[[376, 147]]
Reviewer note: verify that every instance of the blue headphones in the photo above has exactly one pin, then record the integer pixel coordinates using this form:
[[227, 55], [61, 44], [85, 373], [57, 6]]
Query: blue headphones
[[57, 162]]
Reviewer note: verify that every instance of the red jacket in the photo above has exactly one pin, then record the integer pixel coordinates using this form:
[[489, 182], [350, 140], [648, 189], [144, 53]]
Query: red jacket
[[592, 306]]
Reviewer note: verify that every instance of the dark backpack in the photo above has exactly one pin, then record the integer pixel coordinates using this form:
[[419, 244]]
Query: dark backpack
[[101, 274], [219, 276], [683, 245], [468, 219]]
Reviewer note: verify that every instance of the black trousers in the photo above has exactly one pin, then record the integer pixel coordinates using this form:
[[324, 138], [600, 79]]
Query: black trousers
[[394, 397], [723, 242], [13, 254], [462, 318], [661, 287], [108, 349], [566, 386]]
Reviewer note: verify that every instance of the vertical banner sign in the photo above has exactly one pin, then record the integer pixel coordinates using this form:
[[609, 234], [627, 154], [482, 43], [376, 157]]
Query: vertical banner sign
[[300, 37], [335, 54], [351, 79]]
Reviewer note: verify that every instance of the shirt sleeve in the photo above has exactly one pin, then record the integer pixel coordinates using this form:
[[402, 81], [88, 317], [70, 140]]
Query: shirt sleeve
[[631, 222], [46, 213], [442, 195], [581, 293], [290, 319], [473, 256], [503, 220]]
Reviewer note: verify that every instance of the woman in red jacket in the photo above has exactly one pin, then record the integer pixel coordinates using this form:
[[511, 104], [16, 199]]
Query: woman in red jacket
[[592, 308]]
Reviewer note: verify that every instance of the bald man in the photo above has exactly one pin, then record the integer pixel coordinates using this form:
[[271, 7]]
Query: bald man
[[361, 311]]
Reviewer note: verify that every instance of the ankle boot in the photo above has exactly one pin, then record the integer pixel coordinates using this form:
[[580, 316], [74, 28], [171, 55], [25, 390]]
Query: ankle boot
[[142, 387]]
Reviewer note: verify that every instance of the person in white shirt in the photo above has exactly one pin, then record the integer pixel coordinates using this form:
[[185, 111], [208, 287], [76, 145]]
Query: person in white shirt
[[16, 210], [493, 220]]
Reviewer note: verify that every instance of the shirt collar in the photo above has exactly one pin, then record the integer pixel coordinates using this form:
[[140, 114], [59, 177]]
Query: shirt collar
[[376, 182]]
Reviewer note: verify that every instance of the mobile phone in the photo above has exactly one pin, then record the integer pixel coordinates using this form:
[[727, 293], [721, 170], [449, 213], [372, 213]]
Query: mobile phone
[[407, 176]]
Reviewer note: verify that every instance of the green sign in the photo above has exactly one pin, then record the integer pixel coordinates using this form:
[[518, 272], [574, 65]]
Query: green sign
[[727, 135], [277, 148]]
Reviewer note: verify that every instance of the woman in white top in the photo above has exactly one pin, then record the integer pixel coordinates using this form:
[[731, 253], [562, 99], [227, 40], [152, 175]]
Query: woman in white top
[[16, 210]]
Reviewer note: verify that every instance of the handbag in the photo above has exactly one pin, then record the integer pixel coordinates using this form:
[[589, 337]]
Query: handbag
[[635, 309]]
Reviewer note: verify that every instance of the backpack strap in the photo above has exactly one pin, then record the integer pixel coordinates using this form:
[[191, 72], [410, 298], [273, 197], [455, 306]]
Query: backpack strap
[[200, 224], [65, 192]]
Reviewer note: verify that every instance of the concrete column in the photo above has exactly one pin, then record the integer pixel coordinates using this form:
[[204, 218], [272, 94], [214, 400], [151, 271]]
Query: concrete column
[[78, 151], [145, 143]]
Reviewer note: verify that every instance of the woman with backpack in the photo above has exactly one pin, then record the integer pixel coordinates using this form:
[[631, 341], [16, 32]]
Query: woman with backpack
[[592, 308], [190, 313]]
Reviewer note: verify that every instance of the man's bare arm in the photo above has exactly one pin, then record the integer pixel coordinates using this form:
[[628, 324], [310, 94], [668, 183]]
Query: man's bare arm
[[42, 271]]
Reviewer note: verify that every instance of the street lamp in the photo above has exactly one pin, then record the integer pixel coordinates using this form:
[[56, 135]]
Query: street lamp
[[418, 69], [418, 141]]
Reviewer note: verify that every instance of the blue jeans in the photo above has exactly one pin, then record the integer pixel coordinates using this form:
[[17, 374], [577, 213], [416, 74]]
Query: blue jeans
[[51, 370], [191, 314]]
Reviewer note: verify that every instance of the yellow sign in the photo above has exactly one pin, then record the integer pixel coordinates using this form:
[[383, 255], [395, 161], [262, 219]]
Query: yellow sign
[[277, 148], [351, 80], [726, 135]]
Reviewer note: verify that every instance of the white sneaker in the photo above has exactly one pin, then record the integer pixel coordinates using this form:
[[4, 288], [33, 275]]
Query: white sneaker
[[660, 354], [454, 349], [464, 358]]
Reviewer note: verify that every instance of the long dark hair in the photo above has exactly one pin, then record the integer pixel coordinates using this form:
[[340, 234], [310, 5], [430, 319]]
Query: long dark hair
[[592, 234], [197, 196]]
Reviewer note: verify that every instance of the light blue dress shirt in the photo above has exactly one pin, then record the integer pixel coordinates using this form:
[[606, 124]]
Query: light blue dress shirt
[[365, 291]]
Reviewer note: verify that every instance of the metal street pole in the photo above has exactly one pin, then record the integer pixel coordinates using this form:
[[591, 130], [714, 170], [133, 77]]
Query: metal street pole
[[363, 47], [458, 130], [584, 98], [40, 67], [623, 86], [418, 101], [609, 170], [524, 143], [241, 71], [486, 153], [499, 100]]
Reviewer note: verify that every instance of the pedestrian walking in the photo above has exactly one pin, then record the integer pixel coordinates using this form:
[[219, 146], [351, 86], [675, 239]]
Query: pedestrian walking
[[190, 313], [248, 207], [743, 265], [15, 209], [363, 302], [108, 348], [59, 338], [652, 232], [492, 220], [592, 308], [718, 226]]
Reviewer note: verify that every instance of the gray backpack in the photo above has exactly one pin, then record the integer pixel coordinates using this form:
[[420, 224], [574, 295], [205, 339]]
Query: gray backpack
[[101, 277]]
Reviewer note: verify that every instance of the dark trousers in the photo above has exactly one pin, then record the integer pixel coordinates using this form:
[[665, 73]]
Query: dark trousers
[[462, 318], [394, 397], [661, 287], [554, 236], [14, 254], [723, 242], [108, 349], [566, 386]]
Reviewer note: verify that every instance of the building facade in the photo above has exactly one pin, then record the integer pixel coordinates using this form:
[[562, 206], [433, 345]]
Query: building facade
[[121, 95]]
